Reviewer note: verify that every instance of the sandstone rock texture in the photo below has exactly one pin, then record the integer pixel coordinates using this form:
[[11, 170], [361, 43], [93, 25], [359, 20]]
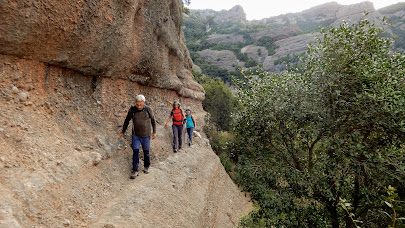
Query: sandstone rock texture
[[137, 40], [69, 72], [62, 165]]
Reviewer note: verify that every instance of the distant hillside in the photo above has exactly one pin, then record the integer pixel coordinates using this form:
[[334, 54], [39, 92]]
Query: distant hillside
[[220, 42], [396, 15]]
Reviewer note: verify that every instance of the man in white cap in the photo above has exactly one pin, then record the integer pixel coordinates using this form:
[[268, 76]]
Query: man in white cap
[[143, 123]]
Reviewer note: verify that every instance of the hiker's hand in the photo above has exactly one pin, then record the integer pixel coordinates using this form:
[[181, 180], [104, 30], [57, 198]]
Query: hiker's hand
[[166, 125], [153, 136], [120, 134]]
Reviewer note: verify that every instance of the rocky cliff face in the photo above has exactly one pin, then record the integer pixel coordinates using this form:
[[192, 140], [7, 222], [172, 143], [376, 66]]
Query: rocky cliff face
[[224, 59], [291, 33], [68, 75], [137, 40], [235, 14]]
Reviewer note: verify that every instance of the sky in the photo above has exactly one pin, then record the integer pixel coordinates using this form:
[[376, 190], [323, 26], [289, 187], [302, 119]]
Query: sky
[[258, 9]]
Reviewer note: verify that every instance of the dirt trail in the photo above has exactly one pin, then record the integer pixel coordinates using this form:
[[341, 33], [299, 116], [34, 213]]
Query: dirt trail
[[189, 189], [61, 164]]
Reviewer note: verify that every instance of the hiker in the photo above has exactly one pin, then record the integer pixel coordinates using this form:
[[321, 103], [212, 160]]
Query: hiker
[[177, 116], [190, 125], [143, 122]]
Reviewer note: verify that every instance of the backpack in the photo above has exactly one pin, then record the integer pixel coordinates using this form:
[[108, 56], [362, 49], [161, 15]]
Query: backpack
[[177, 116]]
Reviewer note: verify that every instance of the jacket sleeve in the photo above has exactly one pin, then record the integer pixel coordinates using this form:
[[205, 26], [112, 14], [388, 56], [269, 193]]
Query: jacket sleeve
[[152, 120], [126, 122]]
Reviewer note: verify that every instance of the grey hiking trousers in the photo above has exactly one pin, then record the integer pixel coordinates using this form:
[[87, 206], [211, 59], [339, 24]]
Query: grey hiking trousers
[[177, 136]]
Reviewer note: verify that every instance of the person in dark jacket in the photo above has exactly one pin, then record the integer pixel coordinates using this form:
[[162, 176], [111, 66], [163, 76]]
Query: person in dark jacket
[[143, 123]]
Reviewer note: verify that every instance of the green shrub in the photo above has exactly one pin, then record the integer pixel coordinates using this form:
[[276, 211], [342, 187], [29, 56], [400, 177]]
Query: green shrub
[[332, 130]]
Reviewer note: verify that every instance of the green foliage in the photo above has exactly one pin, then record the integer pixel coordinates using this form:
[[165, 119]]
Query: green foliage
[[196, 35], [197, 76], [251, 63], [309, 25], [395, 205], [195, 29], [268, 43], [399, 38], [292, 60], [223, 138], [185, 9], [241, 28], [213, 70], [219, 102], [333, 129]]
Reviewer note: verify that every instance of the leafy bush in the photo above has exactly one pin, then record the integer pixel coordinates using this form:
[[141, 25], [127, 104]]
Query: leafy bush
[[333, 129], [293, 60], [219, 102], [268, 43], [251, 63]]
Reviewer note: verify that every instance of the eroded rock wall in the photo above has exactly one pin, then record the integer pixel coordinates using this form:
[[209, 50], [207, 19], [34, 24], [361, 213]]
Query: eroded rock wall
[[138, 40], [69, 71], [62, 164]]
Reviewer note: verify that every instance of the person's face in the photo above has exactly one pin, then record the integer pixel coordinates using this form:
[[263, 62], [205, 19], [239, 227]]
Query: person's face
[[139, 104], [188, 113], [176, 106]]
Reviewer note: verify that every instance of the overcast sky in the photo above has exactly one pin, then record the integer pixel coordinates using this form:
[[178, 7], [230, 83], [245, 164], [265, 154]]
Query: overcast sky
[[258, 9]]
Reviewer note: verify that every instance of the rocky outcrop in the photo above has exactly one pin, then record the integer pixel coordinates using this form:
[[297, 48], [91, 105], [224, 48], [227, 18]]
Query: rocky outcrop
[[225, 38], [322, 12], [236, 14], [62, 165], [224, 59], [293, 31], [277, 33], [289, 46], [135, 40], [255, 52], [355, 12]]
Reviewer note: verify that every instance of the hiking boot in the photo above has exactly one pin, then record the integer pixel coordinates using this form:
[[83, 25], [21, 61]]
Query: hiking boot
[[146, 170], [175, 150], [134, 174], [189, 143]]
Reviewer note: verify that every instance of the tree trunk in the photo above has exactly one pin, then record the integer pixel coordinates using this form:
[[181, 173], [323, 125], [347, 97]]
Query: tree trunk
[[333, 215]]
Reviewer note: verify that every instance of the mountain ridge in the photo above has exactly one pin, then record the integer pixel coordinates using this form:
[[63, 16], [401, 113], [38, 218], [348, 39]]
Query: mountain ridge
[[274, 31]]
